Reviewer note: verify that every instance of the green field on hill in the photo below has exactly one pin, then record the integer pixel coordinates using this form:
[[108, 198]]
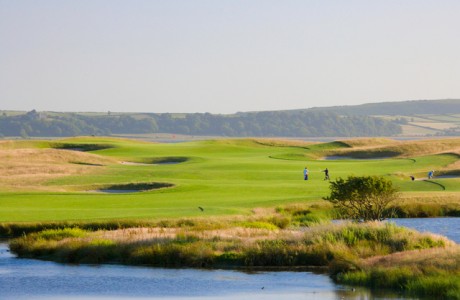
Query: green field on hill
[[92, 178]]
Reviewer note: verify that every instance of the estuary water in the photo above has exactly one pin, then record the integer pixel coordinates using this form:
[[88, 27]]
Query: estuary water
[[448, 227], [36, 279]]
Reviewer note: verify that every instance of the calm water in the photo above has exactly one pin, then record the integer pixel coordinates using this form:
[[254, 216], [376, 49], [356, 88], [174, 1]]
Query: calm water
[[34, 279], [449, 227]]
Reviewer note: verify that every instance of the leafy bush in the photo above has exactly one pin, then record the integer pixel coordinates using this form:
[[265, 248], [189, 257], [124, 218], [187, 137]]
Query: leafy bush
[[362, 198]]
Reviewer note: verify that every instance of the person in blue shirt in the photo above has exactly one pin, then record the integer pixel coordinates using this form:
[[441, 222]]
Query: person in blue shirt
[[305, 173], [430, 174]]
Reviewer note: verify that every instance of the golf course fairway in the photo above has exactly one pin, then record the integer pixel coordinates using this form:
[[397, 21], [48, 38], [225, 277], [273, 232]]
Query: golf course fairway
[[95, 178]]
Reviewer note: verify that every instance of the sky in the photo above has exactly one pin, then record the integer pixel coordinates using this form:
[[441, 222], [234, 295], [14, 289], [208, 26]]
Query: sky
[[223, 56]]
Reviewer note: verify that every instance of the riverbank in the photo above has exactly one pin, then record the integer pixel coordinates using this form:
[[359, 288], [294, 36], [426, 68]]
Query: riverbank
[[344, 250]]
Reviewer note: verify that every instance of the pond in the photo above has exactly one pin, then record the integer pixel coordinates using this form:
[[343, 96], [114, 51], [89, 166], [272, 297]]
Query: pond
[[449, 227], [35, 279]]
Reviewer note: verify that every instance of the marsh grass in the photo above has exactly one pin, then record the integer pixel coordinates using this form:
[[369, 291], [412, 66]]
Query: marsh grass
[[259, 224], [18, 229], [196, 224], [375, 254], [308, 214], [445, 286], [59, 234], [429, 272], [432, 205], [189, 247]]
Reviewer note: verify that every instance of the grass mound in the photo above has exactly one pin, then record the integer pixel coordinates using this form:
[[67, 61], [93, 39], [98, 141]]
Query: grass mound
[[284, 143], [369, 148], [368, 142], [29, 168]]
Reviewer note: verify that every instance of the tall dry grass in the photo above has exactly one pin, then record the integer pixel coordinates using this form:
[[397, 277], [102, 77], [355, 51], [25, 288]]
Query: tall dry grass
[[27, 169], [283, 142], [318, 245], [418, 205], [400, 148]]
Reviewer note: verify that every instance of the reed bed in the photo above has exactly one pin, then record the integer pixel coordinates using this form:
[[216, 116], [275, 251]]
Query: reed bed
[[375, 254], [320, 245], [426, 206], [431, 272]]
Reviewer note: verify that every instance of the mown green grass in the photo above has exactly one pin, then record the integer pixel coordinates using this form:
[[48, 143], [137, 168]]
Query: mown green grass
[[224, 177]]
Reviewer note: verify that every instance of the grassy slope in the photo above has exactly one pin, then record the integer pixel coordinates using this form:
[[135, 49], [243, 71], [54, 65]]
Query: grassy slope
[[223, 177]]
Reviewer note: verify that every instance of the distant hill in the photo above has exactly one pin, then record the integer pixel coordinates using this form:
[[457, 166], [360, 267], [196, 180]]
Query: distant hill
[[405, 108], [424, 117], [281, 123]]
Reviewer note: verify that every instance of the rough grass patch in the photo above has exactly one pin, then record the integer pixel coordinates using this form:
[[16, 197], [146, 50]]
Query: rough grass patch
[[259, 225], [59, 234]]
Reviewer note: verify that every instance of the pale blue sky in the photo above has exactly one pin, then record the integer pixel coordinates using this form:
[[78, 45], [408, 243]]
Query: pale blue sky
[[225, 56]]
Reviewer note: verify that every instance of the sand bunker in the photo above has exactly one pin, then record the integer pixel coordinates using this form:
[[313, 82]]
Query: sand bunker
[[117, 191], [171, 160], [447, 176], [132, 187], [336, 157], [130, 163]]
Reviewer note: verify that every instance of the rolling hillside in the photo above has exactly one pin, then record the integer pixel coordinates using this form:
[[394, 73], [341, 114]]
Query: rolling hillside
[[408, 118]]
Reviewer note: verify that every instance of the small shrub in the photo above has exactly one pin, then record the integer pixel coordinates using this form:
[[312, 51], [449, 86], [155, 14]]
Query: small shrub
[[362, 198], [280, 221]]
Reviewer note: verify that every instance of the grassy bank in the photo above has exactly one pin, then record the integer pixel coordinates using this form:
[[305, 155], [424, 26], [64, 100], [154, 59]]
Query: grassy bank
[[280, 217], [418, 205], [349, 251], [433, 273]]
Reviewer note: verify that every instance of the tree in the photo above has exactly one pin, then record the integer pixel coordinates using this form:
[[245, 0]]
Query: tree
[[363, 198]]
